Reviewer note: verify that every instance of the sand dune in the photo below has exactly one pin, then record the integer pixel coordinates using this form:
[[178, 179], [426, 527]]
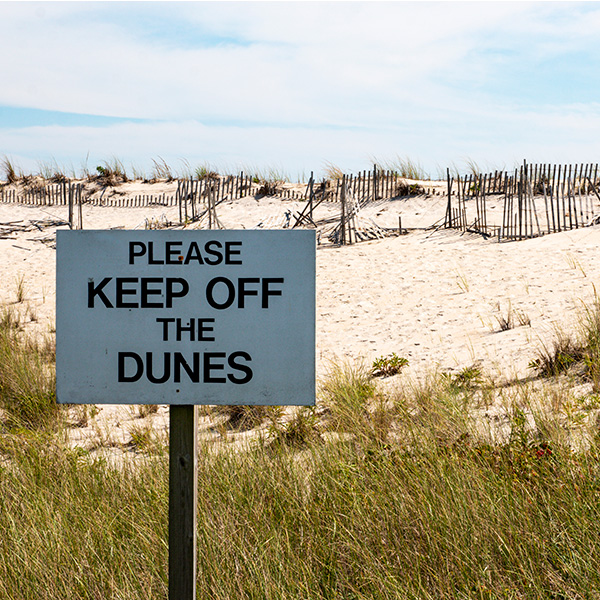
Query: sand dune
[[432, 296]]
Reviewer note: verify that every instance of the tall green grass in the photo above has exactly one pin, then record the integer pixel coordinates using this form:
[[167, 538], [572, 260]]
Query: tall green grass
[[76, 528], [425, 513], [370, 495], [27, 377]]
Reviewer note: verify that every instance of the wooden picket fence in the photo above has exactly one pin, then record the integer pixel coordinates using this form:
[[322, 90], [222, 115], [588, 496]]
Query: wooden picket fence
[[49, 195], [62, 193], [365, 186], [195, 195], [537, 199], [192, 193]]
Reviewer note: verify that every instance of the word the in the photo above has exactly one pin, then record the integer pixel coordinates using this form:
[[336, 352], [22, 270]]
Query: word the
[[197, 330]]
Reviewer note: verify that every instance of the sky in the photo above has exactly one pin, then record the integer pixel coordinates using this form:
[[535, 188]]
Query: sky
[[292, 87]]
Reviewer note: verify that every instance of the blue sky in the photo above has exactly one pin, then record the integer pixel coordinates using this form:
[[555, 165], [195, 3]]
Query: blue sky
[[291, 86]]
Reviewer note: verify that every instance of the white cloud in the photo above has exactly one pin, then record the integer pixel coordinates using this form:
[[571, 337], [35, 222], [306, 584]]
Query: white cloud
[[303, 82], [297, 62], [541, 136]]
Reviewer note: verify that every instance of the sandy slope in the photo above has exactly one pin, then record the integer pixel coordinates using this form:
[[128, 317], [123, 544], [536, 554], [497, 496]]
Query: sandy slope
[[433, 297]]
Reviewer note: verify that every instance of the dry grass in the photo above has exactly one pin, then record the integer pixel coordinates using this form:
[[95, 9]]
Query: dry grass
[[574, 350], [405, 167], [161, 170], [391, 506], [443, 489], [111, 173], [332, 171], [27, 380], [10, 173]]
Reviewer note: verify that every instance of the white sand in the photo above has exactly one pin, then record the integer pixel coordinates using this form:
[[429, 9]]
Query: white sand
[[430, 296], [433, 297]]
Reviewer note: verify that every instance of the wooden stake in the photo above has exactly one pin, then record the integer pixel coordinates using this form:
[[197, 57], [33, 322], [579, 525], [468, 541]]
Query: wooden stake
[[310, 201], [574, 190], [562, 210], [70, 206], [79, 206], [449, 205], [343, 213], [569, 185], [552, 191]]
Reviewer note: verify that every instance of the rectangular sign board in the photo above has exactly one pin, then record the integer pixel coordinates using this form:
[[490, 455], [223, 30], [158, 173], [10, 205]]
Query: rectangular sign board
[[185, 317]]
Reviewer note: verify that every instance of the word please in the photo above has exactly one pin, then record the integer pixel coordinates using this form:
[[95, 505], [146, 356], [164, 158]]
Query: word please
[[158, 292], [173, 253]]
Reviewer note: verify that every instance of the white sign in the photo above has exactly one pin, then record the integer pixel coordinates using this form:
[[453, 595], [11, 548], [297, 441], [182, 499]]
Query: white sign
[[185, 317]]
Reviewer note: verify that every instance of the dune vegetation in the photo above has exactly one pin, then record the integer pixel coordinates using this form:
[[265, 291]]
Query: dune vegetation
[[448, 488]]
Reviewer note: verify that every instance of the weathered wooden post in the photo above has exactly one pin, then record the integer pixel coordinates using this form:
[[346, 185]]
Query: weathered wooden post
[[310, 196], [183, 494], [448, 222], [342, 232]]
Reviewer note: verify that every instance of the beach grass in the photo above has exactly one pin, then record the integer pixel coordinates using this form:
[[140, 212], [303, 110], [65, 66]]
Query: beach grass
[[161, 170], [27, 377], [332, 171], [402, 166], [422, 490], [111, 173], [428, 512], [11, 175], [577, 348]]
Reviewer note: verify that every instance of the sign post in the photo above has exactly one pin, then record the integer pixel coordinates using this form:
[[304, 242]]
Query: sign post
[[185, 318], [183, 491]]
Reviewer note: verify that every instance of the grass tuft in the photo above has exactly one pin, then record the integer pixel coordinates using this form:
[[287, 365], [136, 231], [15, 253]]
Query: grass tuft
[[205, 171], [27, 379], [301, 431], [245, 417], [111, 173], [346, 392], [404, 167], [332, 171], [9, 169], [161, 170], [21, 289], [574, 350], [52, 172]]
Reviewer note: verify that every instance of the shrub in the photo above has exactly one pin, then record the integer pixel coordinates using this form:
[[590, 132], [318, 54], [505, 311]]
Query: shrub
[[386, 366], [466, 378]]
